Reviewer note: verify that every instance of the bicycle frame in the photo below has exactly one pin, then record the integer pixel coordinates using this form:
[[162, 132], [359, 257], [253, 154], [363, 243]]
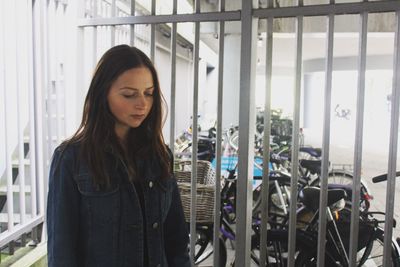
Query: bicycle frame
[[334, 240]]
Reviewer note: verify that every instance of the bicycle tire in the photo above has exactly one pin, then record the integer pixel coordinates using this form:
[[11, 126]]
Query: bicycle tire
[[204, 248], [273, 205], [336, 177], [277, 246], [373, 253], [370, 241], [343, 177], [309, 259]]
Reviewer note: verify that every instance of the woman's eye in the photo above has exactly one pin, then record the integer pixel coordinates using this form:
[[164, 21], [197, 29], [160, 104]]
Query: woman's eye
[[128, 96], [136, 95]]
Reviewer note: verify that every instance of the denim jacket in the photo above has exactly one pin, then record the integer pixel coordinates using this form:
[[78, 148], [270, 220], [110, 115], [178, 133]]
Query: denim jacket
[[95, 228]]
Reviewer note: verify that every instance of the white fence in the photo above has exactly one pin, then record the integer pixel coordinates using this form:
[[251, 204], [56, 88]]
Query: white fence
[[32, 86]]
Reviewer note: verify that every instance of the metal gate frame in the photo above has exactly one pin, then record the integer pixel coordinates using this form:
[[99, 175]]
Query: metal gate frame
[[249, 16]]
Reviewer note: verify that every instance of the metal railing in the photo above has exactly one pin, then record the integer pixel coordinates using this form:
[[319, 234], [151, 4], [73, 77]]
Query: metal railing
[[50, 78], [249, 15], [33, 112]]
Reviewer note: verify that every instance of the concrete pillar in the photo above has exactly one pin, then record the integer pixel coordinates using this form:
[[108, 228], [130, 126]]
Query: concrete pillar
[[231, 80]]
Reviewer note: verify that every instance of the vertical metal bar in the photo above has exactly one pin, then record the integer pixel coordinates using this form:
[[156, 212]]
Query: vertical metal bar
[[65, 74], [95, 33], [45, 139], [3, 86], [194, 135], [31, 100], [80, 54], [38, 85], [246, 132], [49, 106], [7, 134], [217, 195], [295, 140], [153, 31], [10, 191], [325, 144], [113, 12], [394, 130], [31, 85], [132, 26], [362, 58], [266, 138], [173, 78], [58, 46], [21, 155], [41, 152]]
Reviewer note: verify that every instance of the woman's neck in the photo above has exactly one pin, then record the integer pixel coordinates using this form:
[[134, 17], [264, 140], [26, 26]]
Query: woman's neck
[[122, 135]]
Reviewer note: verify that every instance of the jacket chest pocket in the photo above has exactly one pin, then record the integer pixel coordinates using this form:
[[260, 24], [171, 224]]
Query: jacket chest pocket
[[100, 205]]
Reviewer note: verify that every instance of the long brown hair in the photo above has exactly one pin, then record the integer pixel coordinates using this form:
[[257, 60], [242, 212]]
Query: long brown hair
[[97, 129]]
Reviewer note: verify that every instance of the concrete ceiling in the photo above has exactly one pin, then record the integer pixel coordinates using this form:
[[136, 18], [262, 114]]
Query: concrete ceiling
[[379, 45]]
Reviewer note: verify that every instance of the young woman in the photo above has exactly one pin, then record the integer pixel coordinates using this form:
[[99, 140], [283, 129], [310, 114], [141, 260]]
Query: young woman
[[112, 199]]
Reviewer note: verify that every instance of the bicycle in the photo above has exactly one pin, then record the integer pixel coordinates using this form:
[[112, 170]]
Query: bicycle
[[309, 175], [369, 247], [204, 244]]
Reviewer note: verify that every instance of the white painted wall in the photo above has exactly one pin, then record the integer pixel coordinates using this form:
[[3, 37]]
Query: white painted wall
[[344, 92]]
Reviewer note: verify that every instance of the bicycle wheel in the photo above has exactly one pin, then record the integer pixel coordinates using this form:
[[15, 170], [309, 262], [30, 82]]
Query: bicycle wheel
[[336, 177], [278, 201], [370, 241], [309, 259], [277, 246], [204, 247], [340, 177], [372, 254]]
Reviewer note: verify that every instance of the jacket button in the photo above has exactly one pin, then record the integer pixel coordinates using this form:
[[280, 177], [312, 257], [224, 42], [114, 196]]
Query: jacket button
[[151, 184], [155, 225]]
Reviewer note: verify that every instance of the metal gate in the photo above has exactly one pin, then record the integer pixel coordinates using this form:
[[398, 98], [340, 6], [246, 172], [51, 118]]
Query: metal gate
[[156, 26], [250, 14]]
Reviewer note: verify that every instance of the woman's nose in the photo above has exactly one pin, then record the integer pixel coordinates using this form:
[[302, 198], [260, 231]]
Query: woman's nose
[[141, 102]]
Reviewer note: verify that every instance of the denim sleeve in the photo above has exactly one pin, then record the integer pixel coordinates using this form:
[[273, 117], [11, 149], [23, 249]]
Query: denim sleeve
[[62, 212], [176, 233]]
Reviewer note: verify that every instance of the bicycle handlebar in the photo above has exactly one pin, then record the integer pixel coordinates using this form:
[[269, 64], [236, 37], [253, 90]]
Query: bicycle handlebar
[[382, 177]]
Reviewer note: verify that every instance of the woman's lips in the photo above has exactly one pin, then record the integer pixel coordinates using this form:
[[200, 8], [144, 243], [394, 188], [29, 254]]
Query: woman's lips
[[138, 116]]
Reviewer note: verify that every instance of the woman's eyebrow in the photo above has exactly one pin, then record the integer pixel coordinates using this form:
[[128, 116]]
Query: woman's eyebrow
[[135, 89]]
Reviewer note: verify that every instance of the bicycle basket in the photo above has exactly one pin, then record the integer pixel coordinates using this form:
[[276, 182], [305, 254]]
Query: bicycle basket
[[204, 202], [204, 188], [205, 172]]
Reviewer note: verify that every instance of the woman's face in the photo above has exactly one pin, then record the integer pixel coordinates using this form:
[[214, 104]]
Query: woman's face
[[130, 99]]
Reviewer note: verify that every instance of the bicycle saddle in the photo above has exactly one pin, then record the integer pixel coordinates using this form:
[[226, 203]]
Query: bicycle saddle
[[314, 166], [347, 188], [309, 196], [315, 152]]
